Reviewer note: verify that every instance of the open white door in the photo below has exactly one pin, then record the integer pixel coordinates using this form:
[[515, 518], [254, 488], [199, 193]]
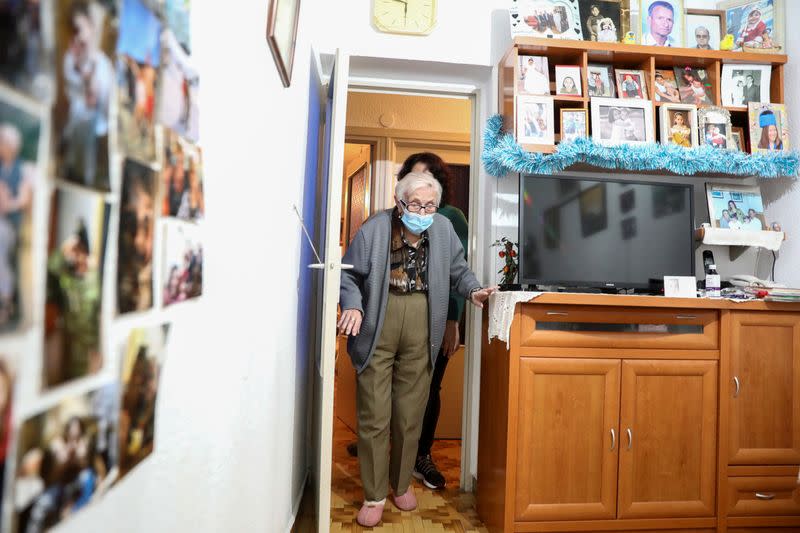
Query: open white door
[[330, 273]]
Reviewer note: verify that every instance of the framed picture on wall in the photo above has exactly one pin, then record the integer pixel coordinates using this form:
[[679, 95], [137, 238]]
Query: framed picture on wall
[[754, 23], [738, 207], [661, 22], [704, 28], [282, 19]]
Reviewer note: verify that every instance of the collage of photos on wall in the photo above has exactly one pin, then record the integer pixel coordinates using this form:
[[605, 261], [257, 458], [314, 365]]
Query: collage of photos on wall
[[99, 125]]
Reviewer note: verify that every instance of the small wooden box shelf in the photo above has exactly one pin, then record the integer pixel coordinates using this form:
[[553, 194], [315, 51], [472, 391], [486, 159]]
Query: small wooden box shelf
[[625, 56]]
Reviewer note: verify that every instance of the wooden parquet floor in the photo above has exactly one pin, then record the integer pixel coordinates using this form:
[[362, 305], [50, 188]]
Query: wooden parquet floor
[[437, 511]]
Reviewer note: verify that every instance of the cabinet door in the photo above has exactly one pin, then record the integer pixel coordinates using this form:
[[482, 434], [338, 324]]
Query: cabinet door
[[667, 460], [764, 399], [566, 451]]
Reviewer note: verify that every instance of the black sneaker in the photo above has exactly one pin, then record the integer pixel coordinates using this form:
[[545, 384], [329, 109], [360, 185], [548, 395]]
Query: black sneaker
[[426, 471]]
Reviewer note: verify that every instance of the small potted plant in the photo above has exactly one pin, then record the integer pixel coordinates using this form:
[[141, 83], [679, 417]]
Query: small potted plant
[[508, 253]]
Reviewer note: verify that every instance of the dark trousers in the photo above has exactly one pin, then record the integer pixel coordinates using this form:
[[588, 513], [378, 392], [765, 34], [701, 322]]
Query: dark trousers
[[431, 417]]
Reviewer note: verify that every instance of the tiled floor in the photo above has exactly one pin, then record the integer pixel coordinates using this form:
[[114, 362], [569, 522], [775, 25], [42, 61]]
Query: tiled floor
[[448, 510]]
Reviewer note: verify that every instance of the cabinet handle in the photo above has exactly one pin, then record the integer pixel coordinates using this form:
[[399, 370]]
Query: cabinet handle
[[613, 439], [762, 496], [736, 382], [630, 437], [686, 317], [557, 313]]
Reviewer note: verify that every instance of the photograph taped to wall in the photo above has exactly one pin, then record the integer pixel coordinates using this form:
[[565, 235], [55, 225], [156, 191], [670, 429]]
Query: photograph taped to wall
[[631, 84], [26, 47], [661, 22], [66, 459], [754, 23], [23, 152], [601, 80], [694, 85], [177, 13], [182, 272], [738, 207], [142, 360], [85, 39], [704, 31], [180, 87], [714, 125], [665, 88], [135, 238], [182, 178], [76, 248], [568, 80], [534, 76], [769, 128], [679, 125], [622, 121], [535, 120], [138, 60], [602, 20], [555, 19], [742, 84]]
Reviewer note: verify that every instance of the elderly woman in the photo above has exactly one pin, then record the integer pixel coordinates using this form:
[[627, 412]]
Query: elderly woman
[[394, 305]]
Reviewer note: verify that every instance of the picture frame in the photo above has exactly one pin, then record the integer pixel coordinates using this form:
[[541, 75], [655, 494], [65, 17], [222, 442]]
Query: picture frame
[[600, 80], [551, 19], [574, 123], [737, 133], [615, 11], [662, 33], [679, 125], [737, 15], [618, 121], [769, 128], [744, 83], [712, 20], [665, 88], [631, 83], [694, 85], [719, 136], [535, 120], [736, 207], [533, 77], [282, 20], [568, 80]]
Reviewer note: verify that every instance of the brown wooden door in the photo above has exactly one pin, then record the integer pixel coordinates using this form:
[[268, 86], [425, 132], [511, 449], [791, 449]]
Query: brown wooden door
[[764, 399], [566, 465], [667, 459]]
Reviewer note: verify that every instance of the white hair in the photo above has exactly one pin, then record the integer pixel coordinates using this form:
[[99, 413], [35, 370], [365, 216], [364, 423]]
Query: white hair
[[10, 134], [417, 180]]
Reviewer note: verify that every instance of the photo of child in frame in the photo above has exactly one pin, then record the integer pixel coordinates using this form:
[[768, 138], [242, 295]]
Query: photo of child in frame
[[694, 86], [679, 131], [666, 89]]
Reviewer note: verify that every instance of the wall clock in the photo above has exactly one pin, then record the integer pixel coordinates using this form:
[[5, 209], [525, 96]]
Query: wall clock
[[410, 17]]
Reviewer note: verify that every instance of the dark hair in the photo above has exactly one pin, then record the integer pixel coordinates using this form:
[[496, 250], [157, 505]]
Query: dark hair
[[79, 7], [436, 166], [659, 3]]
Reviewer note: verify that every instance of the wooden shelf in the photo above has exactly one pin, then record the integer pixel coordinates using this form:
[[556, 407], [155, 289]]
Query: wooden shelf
[[620, 52]]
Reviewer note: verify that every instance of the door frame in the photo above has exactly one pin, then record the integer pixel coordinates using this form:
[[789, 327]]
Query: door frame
[[470, 405]]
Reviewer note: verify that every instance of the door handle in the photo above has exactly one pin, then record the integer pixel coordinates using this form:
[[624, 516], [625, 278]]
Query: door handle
[[331, 266], [557, 313], [736, 382], [685, 317], [630, 437], [762, 496], [613, 439]]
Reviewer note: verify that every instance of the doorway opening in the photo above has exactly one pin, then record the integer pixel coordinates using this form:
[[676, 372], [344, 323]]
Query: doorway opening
[[383, 128]]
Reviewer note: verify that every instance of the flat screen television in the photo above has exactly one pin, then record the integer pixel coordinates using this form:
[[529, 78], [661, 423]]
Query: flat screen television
[[604, 233]]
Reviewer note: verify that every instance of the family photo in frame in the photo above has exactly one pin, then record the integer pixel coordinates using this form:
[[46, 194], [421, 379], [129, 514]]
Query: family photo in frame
[[737, 207]]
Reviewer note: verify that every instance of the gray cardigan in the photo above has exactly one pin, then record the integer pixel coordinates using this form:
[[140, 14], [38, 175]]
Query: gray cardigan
[[366, 286]]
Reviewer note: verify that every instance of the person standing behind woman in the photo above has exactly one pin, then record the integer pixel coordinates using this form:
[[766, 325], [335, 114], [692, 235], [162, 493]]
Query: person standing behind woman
[[425, 469]]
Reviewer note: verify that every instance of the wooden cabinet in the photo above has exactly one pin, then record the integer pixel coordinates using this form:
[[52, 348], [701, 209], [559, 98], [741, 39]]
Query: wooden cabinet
[[567, 428], [764, 401], [668, 451]]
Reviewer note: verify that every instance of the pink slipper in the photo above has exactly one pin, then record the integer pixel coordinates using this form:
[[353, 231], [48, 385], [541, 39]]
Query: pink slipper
[[371, 513], [407, 501]]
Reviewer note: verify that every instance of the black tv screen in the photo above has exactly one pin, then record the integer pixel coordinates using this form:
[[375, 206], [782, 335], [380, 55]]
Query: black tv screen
[[589, 232]]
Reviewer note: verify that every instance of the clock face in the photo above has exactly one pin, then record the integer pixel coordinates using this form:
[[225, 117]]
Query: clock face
[[404, 16]]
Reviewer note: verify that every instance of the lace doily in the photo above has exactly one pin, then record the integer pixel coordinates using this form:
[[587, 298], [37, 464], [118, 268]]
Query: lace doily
[[501, 312]]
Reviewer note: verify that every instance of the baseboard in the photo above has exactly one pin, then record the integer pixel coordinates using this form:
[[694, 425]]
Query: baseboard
[[298, 499]]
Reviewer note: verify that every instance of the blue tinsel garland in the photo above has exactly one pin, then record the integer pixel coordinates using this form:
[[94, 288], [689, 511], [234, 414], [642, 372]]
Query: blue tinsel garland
[[502, 155]]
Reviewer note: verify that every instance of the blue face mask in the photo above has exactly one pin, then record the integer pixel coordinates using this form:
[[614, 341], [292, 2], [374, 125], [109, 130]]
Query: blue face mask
[[416, 223]]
